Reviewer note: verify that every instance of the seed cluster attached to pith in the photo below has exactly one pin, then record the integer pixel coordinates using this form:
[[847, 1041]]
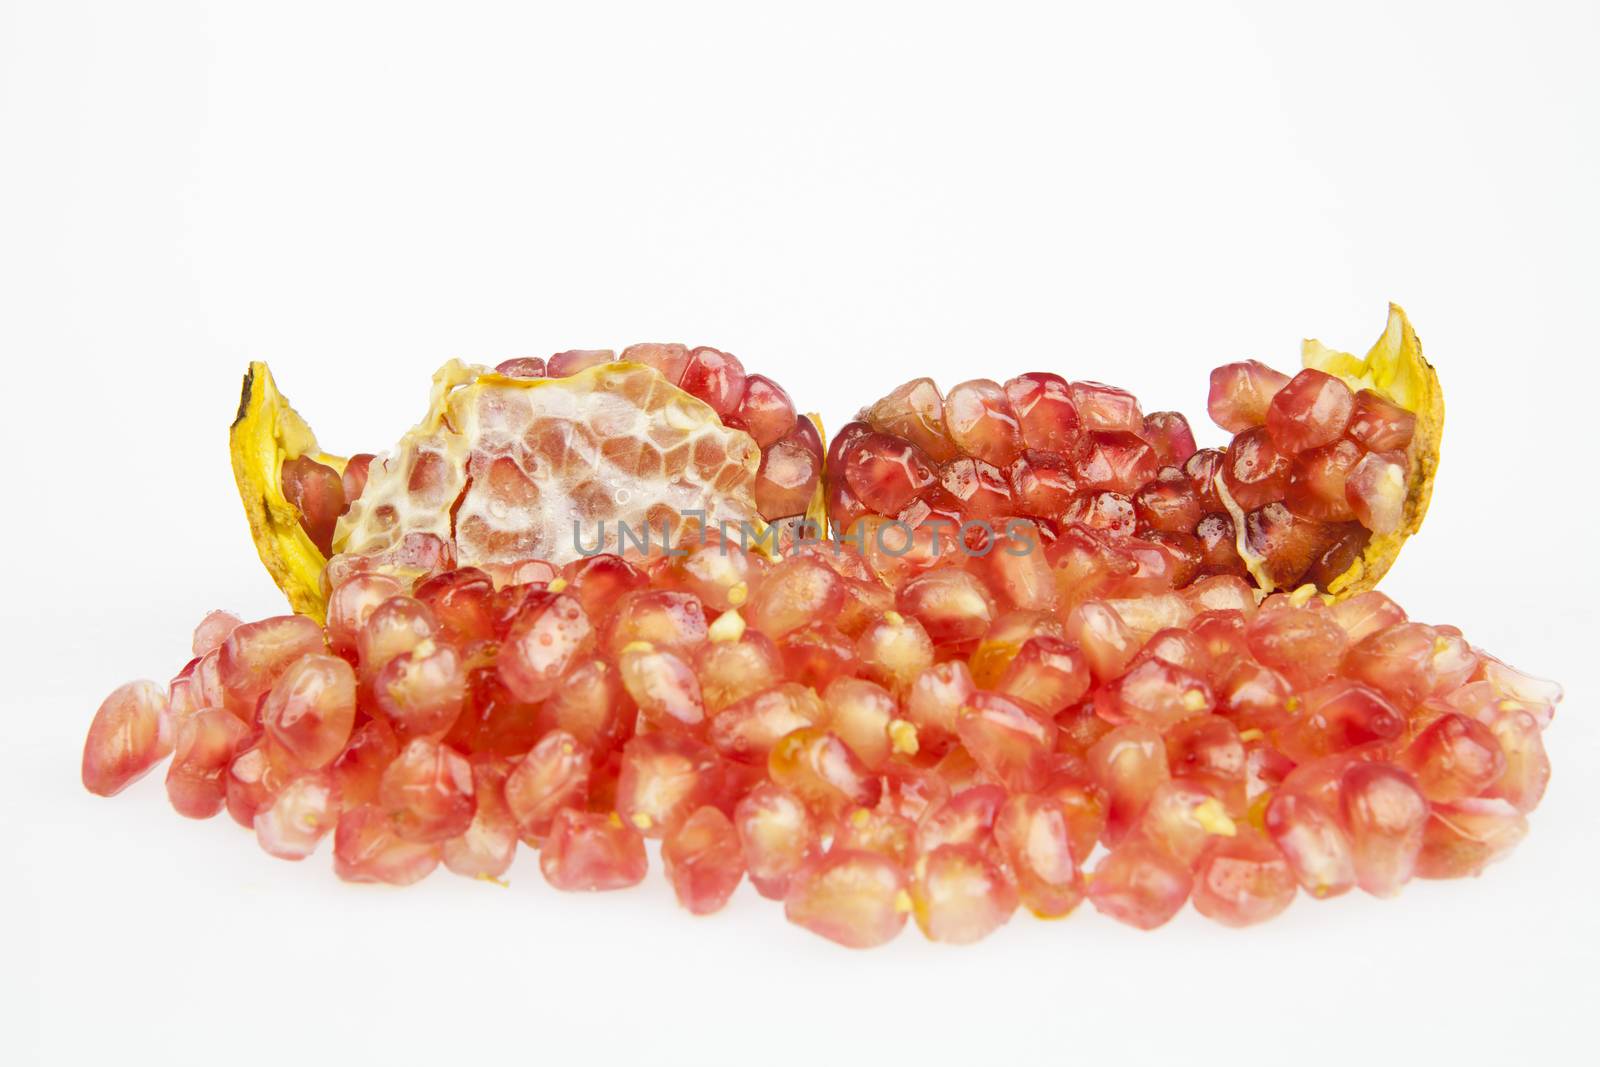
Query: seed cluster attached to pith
[[1053, 652]]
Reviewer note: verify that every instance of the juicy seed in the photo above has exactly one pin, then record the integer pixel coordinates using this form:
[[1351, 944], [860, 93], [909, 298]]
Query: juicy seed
[[589, 851], [857, 899], [127, 738]]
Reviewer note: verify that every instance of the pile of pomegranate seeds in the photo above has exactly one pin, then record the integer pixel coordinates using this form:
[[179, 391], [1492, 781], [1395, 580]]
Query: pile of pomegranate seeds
[[1313, 472], [868, 738]]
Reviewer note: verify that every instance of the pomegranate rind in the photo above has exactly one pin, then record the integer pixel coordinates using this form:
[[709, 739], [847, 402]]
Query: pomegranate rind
[[266, 432], [1395, 369]]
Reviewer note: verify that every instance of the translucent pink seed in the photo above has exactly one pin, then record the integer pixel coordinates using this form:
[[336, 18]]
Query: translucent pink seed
[[127, 737]]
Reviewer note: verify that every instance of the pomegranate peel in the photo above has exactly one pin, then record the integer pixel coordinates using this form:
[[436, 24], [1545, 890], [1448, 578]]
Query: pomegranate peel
[[266, 433]]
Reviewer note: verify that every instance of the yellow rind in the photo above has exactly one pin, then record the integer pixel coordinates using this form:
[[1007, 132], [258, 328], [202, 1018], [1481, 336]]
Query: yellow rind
[[817, 511], [266, 432], [1395, 369]]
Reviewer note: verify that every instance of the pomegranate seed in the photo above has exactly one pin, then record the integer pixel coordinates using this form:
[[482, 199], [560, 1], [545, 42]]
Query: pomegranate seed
[[777, 837], [396, 626], [1318, 481], [213, 630], [298, 817], [1035, 836], [1241, 394], [861, 714], [1454, 758], [1336, 717], [1129, 764], [588, 851], [1365, 614], [796, 592], [591, 706], [884, 832], [1462, 839], [1106, 408], [673, 621], [1169, 434], [1167, 503], [317, 492], [764, 411], [953, 606], [1302, 644], [570, 362], [351, 605], [1411, 662], [489, 845], [1242, 880], [355, 475], [1255, 470], [746, 730], [428, 792], [207, 743], [821, 770], [662, 685], [367, 849], [934, 701], [311, 709], [893, 650], [254, 654], [981, 423], [914, 411], [1380, 425], [1140, 884], [127, 737], [1386, 814], [461, 602], [669, 359], [1376, 491], [550, 634], [715, 377], [1312, 840], [665, 777], [1209, 752], [1527, 772], [1182, 817], [360, 767], [857, 899], [522, 367], [1008, 741], [1020, 571], [1041, 483], [552, 776], [1104, 639], [1048, 673], [1309, 412], [959, 896], [252, 780], [1162, 695], [1046, 417], [703, 861], [817, 654], [886, 473], [788, 476]]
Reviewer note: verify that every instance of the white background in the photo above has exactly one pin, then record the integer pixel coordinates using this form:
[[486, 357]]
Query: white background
[[845, 198]]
